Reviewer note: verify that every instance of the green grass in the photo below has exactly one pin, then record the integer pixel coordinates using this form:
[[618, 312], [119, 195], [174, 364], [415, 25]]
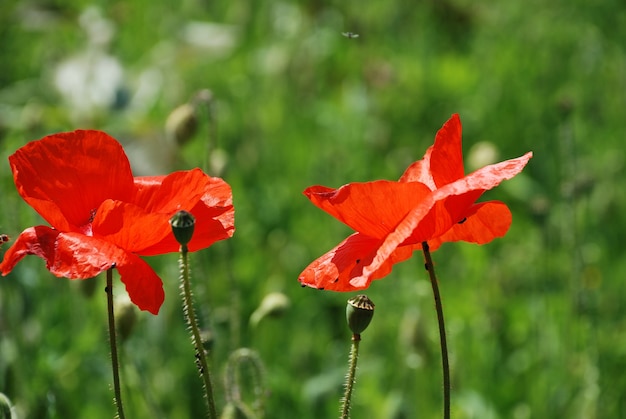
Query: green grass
[[537, 327]]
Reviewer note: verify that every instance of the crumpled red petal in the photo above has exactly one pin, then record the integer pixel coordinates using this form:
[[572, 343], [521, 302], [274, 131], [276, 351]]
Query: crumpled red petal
[[484, 222], [334, 270], [61, 176], [61, 251], [168, 194], [212, 208], [443, 161], [143, 285], [128, 226], [371, 208], [76, 256], [446, 158]]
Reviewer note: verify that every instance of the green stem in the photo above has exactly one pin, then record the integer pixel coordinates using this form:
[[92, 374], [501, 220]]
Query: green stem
[[347, 398], [190, 316], [442, 330], [113, 342]]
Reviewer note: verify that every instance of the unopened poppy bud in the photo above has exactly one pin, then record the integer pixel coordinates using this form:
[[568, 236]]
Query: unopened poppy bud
[[182, 226], [359, 313], [182, 124], [5, 407]]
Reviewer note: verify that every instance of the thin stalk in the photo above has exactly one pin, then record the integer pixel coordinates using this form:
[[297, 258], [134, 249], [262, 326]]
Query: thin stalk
[[190, 316], [354, 356], [442, 330], [113, 342]]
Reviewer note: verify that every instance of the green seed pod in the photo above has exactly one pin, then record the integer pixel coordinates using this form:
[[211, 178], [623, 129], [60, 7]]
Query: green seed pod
[[5, 407], [182, 226], [359, 313]]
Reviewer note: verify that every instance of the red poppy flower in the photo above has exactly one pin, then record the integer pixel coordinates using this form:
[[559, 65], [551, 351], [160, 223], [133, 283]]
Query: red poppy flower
[[101, 216], [434, 202]]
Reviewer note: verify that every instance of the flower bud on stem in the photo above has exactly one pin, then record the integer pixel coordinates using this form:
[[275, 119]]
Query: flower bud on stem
[[359, 313], [182, 226]]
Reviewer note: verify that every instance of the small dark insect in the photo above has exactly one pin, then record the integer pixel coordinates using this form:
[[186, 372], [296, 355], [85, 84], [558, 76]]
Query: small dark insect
[[358, 261], [350, 35], [463, 220]]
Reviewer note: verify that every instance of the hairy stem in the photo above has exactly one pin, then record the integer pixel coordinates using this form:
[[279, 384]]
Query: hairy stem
[[347, 398], [442, 330], [113, 342], [190, 316]]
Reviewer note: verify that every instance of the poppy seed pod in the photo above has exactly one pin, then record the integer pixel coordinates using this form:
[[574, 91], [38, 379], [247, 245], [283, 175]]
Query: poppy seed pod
[[359, 313], [182, 226]]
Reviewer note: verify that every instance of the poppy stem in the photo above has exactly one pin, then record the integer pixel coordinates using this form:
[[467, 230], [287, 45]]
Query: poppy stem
[[113, 342], [347, 397], [190, 316], [442, 330]]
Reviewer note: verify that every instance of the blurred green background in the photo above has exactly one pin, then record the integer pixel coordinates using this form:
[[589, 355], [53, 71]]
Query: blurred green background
[[536, 320]]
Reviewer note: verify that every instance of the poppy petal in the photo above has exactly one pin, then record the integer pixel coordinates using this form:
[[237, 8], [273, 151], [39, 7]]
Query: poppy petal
[[143, 285], [371, 208], [442, 216], [84, 257], [69, 255], [443, 161], [60, 176], [128, 226], [75, 256], [483, 223], [168, 194], [213, 223], [37, 241], [485, 178], [333, 270], [213, 210], [419, 171], [446, 159]]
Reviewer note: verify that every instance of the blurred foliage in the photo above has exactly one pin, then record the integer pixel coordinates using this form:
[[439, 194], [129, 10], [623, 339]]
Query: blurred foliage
[[536, 320]]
